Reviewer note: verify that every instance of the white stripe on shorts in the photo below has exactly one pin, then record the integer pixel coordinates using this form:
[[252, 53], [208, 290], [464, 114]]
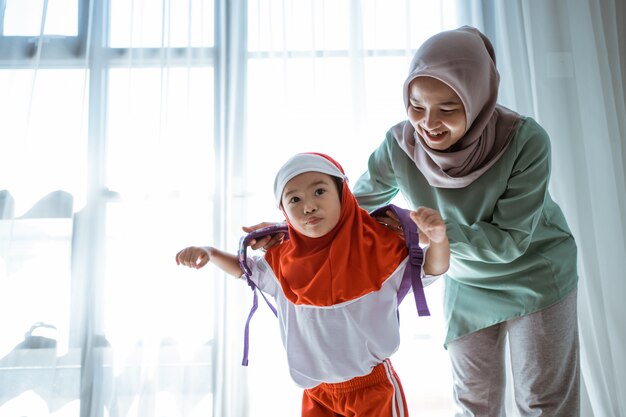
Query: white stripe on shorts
[[397, 394]]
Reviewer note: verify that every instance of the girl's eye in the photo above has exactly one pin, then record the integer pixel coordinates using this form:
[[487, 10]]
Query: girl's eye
[[319, 191], [294, 200], [417, 108]]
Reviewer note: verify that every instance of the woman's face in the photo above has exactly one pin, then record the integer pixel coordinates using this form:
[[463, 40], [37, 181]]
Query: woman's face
[[436, 112]]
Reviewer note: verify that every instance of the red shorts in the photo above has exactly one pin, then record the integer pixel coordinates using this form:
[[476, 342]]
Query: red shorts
[[378, 394]]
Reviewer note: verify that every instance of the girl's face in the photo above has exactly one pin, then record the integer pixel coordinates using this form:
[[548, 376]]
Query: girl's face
[[436, 112], [311, 202]]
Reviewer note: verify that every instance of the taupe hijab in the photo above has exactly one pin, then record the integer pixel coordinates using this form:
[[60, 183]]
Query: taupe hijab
[[464, 59]]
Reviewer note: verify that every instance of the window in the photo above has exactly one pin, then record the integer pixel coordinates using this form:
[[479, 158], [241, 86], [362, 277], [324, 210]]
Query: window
[[107, 113]]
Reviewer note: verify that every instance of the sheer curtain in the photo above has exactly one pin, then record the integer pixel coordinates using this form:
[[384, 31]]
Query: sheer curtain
[[112, 159], [42, 181], [562, 63]]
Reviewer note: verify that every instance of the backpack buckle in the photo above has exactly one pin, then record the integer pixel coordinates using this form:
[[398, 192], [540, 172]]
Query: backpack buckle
[[416, 256]]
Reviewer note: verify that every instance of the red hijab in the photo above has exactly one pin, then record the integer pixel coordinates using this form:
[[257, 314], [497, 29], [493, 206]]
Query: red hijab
[[353, 259]]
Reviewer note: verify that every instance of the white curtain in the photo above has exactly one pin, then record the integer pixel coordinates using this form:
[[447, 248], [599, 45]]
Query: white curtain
[[117, 146], [563, 63]]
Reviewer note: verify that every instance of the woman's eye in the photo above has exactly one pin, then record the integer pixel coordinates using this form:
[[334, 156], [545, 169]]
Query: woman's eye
[[417, 108]]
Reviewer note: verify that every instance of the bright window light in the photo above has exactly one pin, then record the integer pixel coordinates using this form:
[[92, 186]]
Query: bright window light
[[161, 165], [24, 17], [44, 121], [141, 23]]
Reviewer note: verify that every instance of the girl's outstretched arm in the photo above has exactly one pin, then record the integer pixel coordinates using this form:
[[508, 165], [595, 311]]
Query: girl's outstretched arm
[[198, 256]]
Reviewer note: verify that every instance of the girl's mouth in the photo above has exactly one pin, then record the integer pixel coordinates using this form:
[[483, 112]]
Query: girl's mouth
[[313, 220]]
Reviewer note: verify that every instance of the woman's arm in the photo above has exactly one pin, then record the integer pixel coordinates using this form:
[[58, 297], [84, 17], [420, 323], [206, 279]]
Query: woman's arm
[[377, 186], [506, 235]]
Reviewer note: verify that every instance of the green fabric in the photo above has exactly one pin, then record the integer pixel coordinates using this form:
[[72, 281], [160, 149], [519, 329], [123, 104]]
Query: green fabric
[[512, 251]]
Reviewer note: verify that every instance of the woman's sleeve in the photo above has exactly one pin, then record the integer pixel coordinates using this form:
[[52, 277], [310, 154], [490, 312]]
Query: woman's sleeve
[[518, 210], [378, 185]]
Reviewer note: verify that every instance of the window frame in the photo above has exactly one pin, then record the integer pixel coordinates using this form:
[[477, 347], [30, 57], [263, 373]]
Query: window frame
[[47, 51]]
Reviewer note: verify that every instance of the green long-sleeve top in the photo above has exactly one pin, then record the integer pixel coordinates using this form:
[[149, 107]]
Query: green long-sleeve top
[[512, 252]]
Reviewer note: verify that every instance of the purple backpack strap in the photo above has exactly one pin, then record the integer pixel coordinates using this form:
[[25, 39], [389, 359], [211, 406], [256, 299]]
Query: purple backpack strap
[[412, 277], [242, 255]]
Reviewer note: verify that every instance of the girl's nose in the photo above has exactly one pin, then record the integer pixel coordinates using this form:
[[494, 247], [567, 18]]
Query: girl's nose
[[309, 208]]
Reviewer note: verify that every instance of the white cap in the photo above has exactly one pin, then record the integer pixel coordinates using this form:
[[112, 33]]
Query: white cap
[[301, 163]]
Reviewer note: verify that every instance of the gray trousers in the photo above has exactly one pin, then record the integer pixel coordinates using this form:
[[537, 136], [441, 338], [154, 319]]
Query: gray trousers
[[544, 353]]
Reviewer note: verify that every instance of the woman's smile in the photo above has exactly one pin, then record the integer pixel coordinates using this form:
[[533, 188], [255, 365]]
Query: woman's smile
[[434, 136]]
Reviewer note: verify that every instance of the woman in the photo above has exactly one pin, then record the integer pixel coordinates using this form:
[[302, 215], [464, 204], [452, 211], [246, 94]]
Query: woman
[[486, 169]]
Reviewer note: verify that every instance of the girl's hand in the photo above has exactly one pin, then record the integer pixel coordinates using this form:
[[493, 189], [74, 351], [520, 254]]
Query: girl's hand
[[194, 257], [266, 242], [431, 225]]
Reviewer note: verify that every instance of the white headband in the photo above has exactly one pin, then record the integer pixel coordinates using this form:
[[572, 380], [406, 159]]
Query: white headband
[[299, 164]]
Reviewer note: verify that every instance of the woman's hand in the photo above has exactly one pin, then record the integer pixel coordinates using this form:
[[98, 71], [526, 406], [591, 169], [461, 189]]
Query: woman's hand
[[194, 257], [392, 222], [266, 242]]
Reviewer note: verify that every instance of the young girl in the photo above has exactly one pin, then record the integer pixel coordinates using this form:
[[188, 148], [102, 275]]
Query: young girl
[[335, 282]]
